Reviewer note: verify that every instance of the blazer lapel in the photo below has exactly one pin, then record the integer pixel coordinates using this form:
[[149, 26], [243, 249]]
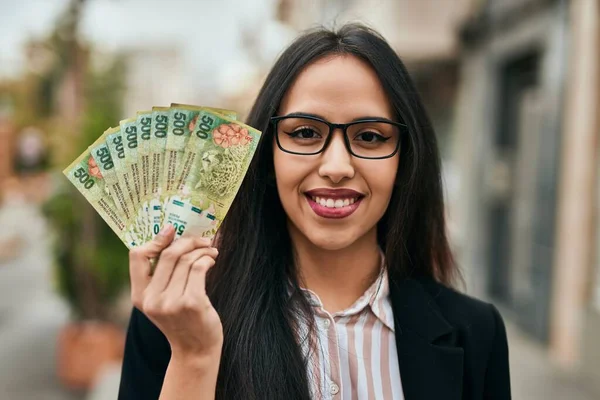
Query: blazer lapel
[[431, 363]]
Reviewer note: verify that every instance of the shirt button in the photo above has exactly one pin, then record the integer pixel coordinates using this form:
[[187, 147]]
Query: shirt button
[[326, 323], [333, 388]]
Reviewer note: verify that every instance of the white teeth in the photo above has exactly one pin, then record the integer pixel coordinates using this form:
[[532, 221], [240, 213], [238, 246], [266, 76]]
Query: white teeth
[[333, 203]]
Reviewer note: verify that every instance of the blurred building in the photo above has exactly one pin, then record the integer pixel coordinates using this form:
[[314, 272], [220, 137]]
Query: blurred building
[[422, 30], [526, 138], [423, 33]]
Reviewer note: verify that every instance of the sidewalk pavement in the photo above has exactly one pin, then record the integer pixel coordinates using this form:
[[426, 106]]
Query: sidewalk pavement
[[534, 378], [31, 314]]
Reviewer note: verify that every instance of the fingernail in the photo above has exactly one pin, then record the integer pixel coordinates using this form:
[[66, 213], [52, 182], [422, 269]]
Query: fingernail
[[166, 230]]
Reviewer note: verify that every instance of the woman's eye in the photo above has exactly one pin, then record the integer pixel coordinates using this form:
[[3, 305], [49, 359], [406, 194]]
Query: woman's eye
[[305, 133], [371, 137]]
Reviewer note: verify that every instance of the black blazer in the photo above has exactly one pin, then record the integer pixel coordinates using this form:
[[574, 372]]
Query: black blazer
[[450, 347]]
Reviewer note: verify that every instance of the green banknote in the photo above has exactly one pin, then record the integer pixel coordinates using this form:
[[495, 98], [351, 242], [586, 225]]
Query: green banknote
[[181, 164], [103, 158], [114, 141], [157, 145], [143, 124], [144, 127], [85, 175], [129, 136], [182, 121], [139, 229], [214, 164]]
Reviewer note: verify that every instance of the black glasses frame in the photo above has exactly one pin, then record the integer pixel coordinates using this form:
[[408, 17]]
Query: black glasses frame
[[344, 128]]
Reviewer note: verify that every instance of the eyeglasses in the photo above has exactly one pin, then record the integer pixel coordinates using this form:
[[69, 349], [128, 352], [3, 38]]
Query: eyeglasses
[[372, 138]]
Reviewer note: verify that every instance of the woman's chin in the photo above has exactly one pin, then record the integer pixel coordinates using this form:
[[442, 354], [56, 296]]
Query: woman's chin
[[331, 242]]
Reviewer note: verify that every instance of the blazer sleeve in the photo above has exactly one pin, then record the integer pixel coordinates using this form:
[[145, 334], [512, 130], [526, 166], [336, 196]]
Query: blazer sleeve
[[497, 376], [146, 358]]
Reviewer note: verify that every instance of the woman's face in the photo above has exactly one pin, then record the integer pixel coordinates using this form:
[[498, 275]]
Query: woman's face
[[333, 199]]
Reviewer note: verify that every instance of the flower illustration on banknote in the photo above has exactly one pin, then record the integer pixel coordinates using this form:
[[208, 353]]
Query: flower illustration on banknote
[[229, 135], [93, 168], [192, 124]]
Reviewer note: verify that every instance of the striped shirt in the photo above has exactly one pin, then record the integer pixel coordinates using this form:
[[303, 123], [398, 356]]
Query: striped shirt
[[354, 355]]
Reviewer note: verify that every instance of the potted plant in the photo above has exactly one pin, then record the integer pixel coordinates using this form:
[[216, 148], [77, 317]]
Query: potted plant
[[91, 274]]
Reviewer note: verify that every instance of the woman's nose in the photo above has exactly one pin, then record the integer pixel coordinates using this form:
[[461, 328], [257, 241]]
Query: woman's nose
[[336, 160]]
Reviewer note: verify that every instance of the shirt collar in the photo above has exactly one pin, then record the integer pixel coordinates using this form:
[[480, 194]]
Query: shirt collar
[[376, 298]]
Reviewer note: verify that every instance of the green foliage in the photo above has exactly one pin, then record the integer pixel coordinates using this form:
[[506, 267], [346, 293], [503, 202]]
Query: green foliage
[[104, 91], [90, 260], [63, 217], [88, 276], [103, 98]]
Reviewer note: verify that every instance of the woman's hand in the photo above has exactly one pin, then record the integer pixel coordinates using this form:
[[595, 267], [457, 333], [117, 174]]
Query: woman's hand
[[174, 297]]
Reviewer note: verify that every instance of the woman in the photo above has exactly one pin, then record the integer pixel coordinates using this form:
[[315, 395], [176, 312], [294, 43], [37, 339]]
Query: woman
[[333, 276]]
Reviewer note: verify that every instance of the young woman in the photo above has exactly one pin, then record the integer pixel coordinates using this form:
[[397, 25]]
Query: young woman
[[333, 275]]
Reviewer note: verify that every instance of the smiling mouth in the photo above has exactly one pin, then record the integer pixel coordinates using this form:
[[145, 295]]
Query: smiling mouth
[[334, 203], [334, 208]]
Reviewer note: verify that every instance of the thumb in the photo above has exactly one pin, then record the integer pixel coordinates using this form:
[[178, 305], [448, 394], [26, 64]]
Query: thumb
[[144, 258], [158, 244], [161, 240]]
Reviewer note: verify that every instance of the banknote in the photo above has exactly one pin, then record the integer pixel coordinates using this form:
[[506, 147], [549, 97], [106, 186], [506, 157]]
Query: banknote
[[182, 120], [214, 164], [143, 124], [181, 164], [140, 227], [85, 175], [105, 163], [114, 142], [129, 136], [189, 219], [157, 145]]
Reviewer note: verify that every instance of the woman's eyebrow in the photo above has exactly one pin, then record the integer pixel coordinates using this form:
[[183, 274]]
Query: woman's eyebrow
[[370, 117], [306, 114]]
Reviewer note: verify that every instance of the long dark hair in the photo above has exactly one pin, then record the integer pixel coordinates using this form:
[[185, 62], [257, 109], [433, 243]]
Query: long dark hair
[[253, 285]]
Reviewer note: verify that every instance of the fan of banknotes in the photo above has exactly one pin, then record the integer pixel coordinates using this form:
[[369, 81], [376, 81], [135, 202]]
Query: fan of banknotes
[[181, 165]]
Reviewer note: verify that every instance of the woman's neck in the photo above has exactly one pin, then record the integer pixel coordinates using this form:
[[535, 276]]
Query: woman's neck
[[338, 277]]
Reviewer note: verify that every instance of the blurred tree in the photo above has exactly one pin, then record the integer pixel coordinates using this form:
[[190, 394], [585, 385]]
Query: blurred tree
[[82, 101]]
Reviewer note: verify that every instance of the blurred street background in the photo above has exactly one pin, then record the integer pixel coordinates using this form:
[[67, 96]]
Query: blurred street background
[[513, 90]]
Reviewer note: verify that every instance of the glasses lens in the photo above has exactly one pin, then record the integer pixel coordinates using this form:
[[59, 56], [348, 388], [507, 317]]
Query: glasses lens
[[301, 135], [373, 139]]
